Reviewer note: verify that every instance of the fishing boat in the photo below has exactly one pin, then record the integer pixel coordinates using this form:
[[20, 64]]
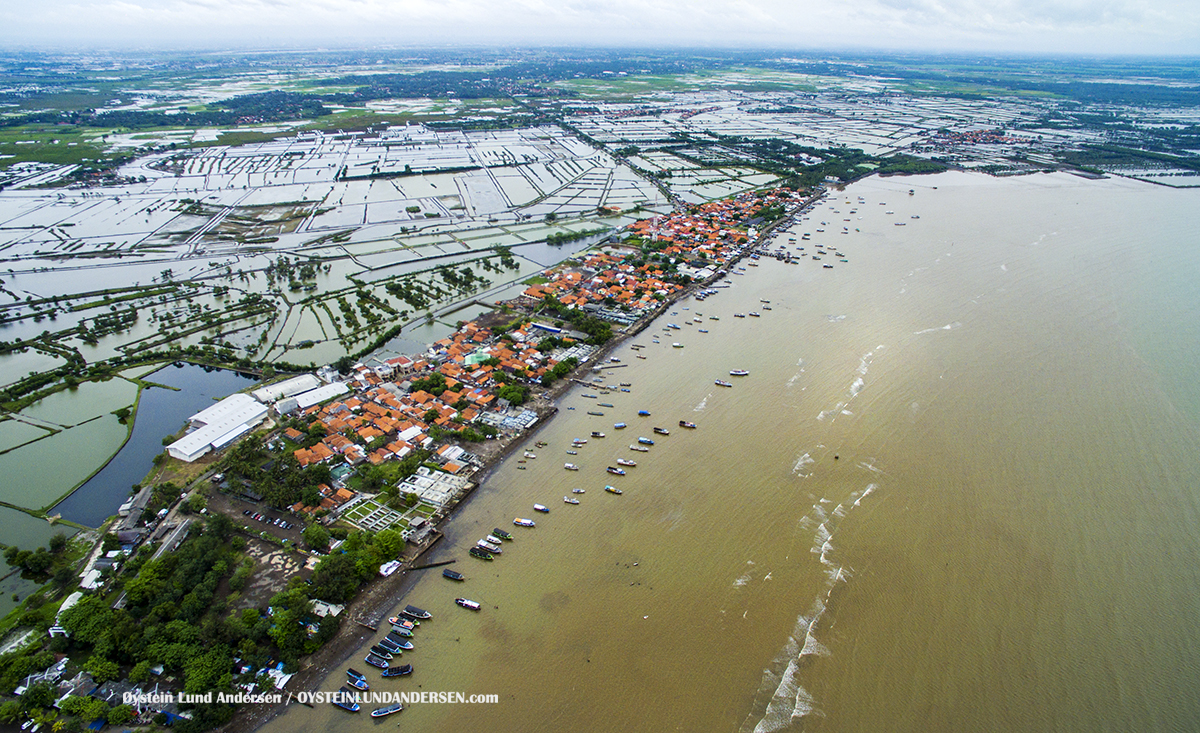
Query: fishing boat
[[644, 413], [597, 434], [686, 424], [662, 431], [739, 315], [375, 661], [676, 345], [480, 553], [605, 404], [827, 267], [738, 373], [569, 500], [400, 630], [766, 307], [501, 534], [645, 441], [570, 467], [613, 490], [404, 644], [406, 623], [722, 383], [626, 384], [541, 508], [352, 672], [597, 414], [619, 426], [639, 449], [380, 652], [626, 462], [396, 636], [714, 318], [398, 671], [357, 683], [527, 454], [493, 539], [703, 330], [416, 613], [392, 646], [626, 389], [489, 546], [572, 452], [387, 710], [524, 522], [347, 704], [640, 356], [452, 575], [615, 471], [579, 441], [754, 314], [468, 604]]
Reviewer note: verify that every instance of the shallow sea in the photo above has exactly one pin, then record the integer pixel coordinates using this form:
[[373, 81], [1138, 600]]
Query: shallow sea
[[957, 491]]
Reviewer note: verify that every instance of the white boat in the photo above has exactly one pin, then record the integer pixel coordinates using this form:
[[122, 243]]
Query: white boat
[[578, 491], [494, 539], [569, 500], [677, 345], [626, 462], [570, 467], [468, 604], [541, 508], [490, 547], [572, 452], [529, 455], [639, 449], [524, 522], [738, 373]]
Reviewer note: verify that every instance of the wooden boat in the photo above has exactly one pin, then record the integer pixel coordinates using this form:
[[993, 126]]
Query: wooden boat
[[626, 462], [605, 404], [662, 431], [398, 671], [577, 491], [407, 623], [452, 575], [597, 434], [396, 638], [613, 490], [722, 383], [738, 373], [416, 613], [639, 449], [357, 683], [597, 414], [686, 424], [392, 647], [480, 553], [380, 652], [501, 534], [524, 522], [375, 661], [404, 644], [615, 471], [468, 604], [352, 672], [387, 710], [346, 704], [569, 500], [541, 508]]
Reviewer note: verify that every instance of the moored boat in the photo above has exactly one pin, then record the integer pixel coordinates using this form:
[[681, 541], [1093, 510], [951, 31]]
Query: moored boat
[[662, 431], [738, 373], [643, 413], [417, 613], [398, 671], [626, 462], [346, 704], [569, 500], [577, 491], [489, 546], [677, 345], [597, 414], [375, 661], [407, 623], [722, 383], [352, 672], [404, 644], [570, 467], [541, 508], [357, 683], [386, 710], [686, 424], [613, 490], [645, 441], [616, 471], [524, 522], [493, 539], [452, 574], [597, 434], [468, 604], [501, 534], [480, 553], [380, 652], [639, 449], [619, 426]]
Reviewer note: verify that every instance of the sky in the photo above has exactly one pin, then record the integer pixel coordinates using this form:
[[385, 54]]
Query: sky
[[1091, 27]]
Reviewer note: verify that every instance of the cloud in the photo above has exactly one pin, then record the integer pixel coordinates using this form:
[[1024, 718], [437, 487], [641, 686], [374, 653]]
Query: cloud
[[1085, 26]]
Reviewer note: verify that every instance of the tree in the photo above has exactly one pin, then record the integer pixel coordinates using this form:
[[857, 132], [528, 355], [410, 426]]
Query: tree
[[101, 669], [58, 543], [120, 715], [197, 503], [316, 537]]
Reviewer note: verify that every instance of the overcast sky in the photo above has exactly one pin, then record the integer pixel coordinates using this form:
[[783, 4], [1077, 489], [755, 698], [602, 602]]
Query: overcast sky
[[1021, 26]]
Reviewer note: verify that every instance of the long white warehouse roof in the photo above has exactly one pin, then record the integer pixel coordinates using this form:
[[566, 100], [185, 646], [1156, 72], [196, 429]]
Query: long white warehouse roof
[[287, 388]]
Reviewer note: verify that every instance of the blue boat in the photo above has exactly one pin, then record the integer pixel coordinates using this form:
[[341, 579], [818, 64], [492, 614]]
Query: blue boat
[[385, 711], [644, 413], [645, 441], [375, 661], [619, 426], [403, 669], [352, 672]]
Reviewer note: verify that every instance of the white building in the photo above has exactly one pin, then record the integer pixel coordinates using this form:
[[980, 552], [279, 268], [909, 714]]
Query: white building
[[287, 388], [216, 427]]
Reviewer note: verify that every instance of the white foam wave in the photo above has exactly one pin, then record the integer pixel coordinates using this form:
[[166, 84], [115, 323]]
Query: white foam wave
[[947, 327], [742, 580], [835, 319], [856, 387], [801, 467], [792, 381], [703, 404], [867, 492], [812, 647]]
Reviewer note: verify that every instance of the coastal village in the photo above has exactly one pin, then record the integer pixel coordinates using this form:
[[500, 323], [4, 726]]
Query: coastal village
[[295, 503]]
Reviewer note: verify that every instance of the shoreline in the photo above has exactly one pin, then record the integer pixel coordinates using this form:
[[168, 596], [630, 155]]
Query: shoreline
[[387, 592]]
